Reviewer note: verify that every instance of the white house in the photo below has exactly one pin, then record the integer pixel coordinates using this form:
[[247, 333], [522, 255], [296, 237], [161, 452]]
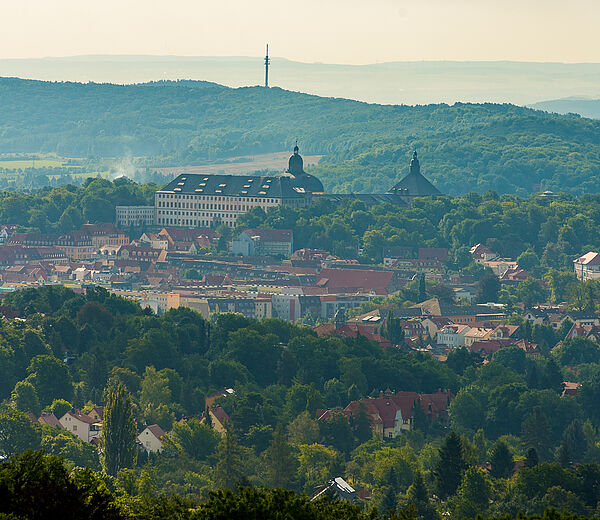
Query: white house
[[151, 438], [81, 425], [587, 267], [452, 335]]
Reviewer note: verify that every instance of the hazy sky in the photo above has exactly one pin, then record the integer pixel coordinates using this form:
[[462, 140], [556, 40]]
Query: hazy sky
[[332, 31]]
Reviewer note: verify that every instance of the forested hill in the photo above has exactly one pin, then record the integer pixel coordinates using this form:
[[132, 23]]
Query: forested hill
[[464, 147]]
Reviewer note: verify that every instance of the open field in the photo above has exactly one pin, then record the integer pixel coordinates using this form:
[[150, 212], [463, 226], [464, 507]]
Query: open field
[[21, 164], [242, 165]]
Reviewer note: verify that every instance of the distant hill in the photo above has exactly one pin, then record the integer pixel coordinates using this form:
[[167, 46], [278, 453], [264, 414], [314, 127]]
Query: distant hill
[[366, 148], [414, 82], [584, 107]]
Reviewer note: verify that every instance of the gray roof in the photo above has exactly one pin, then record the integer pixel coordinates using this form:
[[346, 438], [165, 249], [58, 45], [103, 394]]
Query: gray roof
[[415, 185], [370, 199], [234, 186]]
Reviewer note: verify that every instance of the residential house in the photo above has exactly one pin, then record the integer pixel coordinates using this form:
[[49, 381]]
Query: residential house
[[477, 334], [49, 419], [481, 253], [151, 438], [452, 335], [336, 489], [218, 418], [587, 267], [392, 413], [81, 425]]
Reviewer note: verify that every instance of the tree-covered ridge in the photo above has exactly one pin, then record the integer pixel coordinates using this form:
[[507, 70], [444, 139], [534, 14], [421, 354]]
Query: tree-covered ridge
[[464, 147], [551, 231]]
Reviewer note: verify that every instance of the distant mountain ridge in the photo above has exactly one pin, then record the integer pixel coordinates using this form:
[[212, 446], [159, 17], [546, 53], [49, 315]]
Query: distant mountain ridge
[[418, 82], [366, 147], [573, 105]]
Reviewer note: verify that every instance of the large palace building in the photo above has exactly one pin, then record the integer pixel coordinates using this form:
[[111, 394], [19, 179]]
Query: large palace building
[[197, 200]]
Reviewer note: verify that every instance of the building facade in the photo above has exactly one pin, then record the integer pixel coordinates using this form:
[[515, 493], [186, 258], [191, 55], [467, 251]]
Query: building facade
[[135, 216], [199, 200]]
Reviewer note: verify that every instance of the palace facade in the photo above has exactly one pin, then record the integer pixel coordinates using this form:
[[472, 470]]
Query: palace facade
[[199, 200]]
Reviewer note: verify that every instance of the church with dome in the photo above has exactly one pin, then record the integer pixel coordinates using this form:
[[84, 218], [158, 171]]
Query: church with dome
[[202, 200]]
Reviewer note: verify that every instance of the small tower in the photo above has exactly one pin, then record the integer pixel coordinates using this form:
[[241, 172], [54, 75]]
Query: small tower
[[267, 63]]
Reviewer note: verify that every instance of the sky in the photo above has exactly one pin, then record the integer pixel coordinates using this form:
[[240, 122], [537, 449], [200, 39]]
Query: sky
[[328, 31]]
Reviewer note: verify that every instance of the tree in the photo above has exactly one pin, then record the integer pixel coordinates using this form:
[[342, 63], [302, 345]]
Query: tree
[[574, 441], [16, 433], [531, 458], [37, 486], [25, 398], [281, 464], [531, 292], [361, 425], [117, 442], [303, 429], [450, 467], [489, 287], [528, 260], [473, 495], [229, 471], [392, 329], [51, 379], [535, 431], [336, 432], [193, 438], [59, 407], [501, 460]]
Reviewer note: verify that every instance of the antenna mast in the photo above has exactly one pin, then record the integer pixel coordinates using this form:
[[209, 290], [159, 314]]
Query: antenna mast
[[267, 63]]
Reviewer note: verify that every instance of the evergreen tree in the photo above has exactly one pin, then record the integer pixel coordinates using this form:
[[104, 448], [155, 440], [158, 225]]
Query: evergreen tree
[[229, 471], [117, 443], [535, 431], [501, 460], [575, 441], [417, 497], [388, 502], [480, 446], [564, 454], [281, 464], [531, 458], [450, 467], [361, 425]]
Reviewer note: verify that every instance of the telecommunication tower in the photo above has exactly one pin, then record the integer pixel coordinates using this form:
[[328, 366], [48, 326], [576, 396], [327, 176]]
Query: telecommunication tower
[[267, 63]]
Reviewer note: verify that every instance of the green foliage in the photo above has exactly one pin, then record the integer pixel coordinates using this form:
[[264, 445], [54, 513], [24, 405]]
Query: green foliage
[[117, 442], [16, 433], [451, 465], [501, 460]]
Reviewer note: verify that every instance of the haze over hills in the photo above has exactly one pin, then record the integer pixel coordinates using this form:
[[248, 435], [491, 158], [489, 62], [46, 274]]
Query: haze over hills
[[572, 105], [366, 147], [410, 83]]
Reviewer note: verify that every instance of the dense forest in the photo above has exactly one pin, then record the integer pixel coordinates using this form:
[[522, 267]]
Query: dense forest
[[506, 410], [464, 147]]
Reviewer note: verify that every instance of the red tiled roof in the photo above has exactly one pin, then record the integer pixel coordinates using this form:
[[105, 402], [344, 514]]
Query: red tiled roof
[[350, 280], [385, 408]]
